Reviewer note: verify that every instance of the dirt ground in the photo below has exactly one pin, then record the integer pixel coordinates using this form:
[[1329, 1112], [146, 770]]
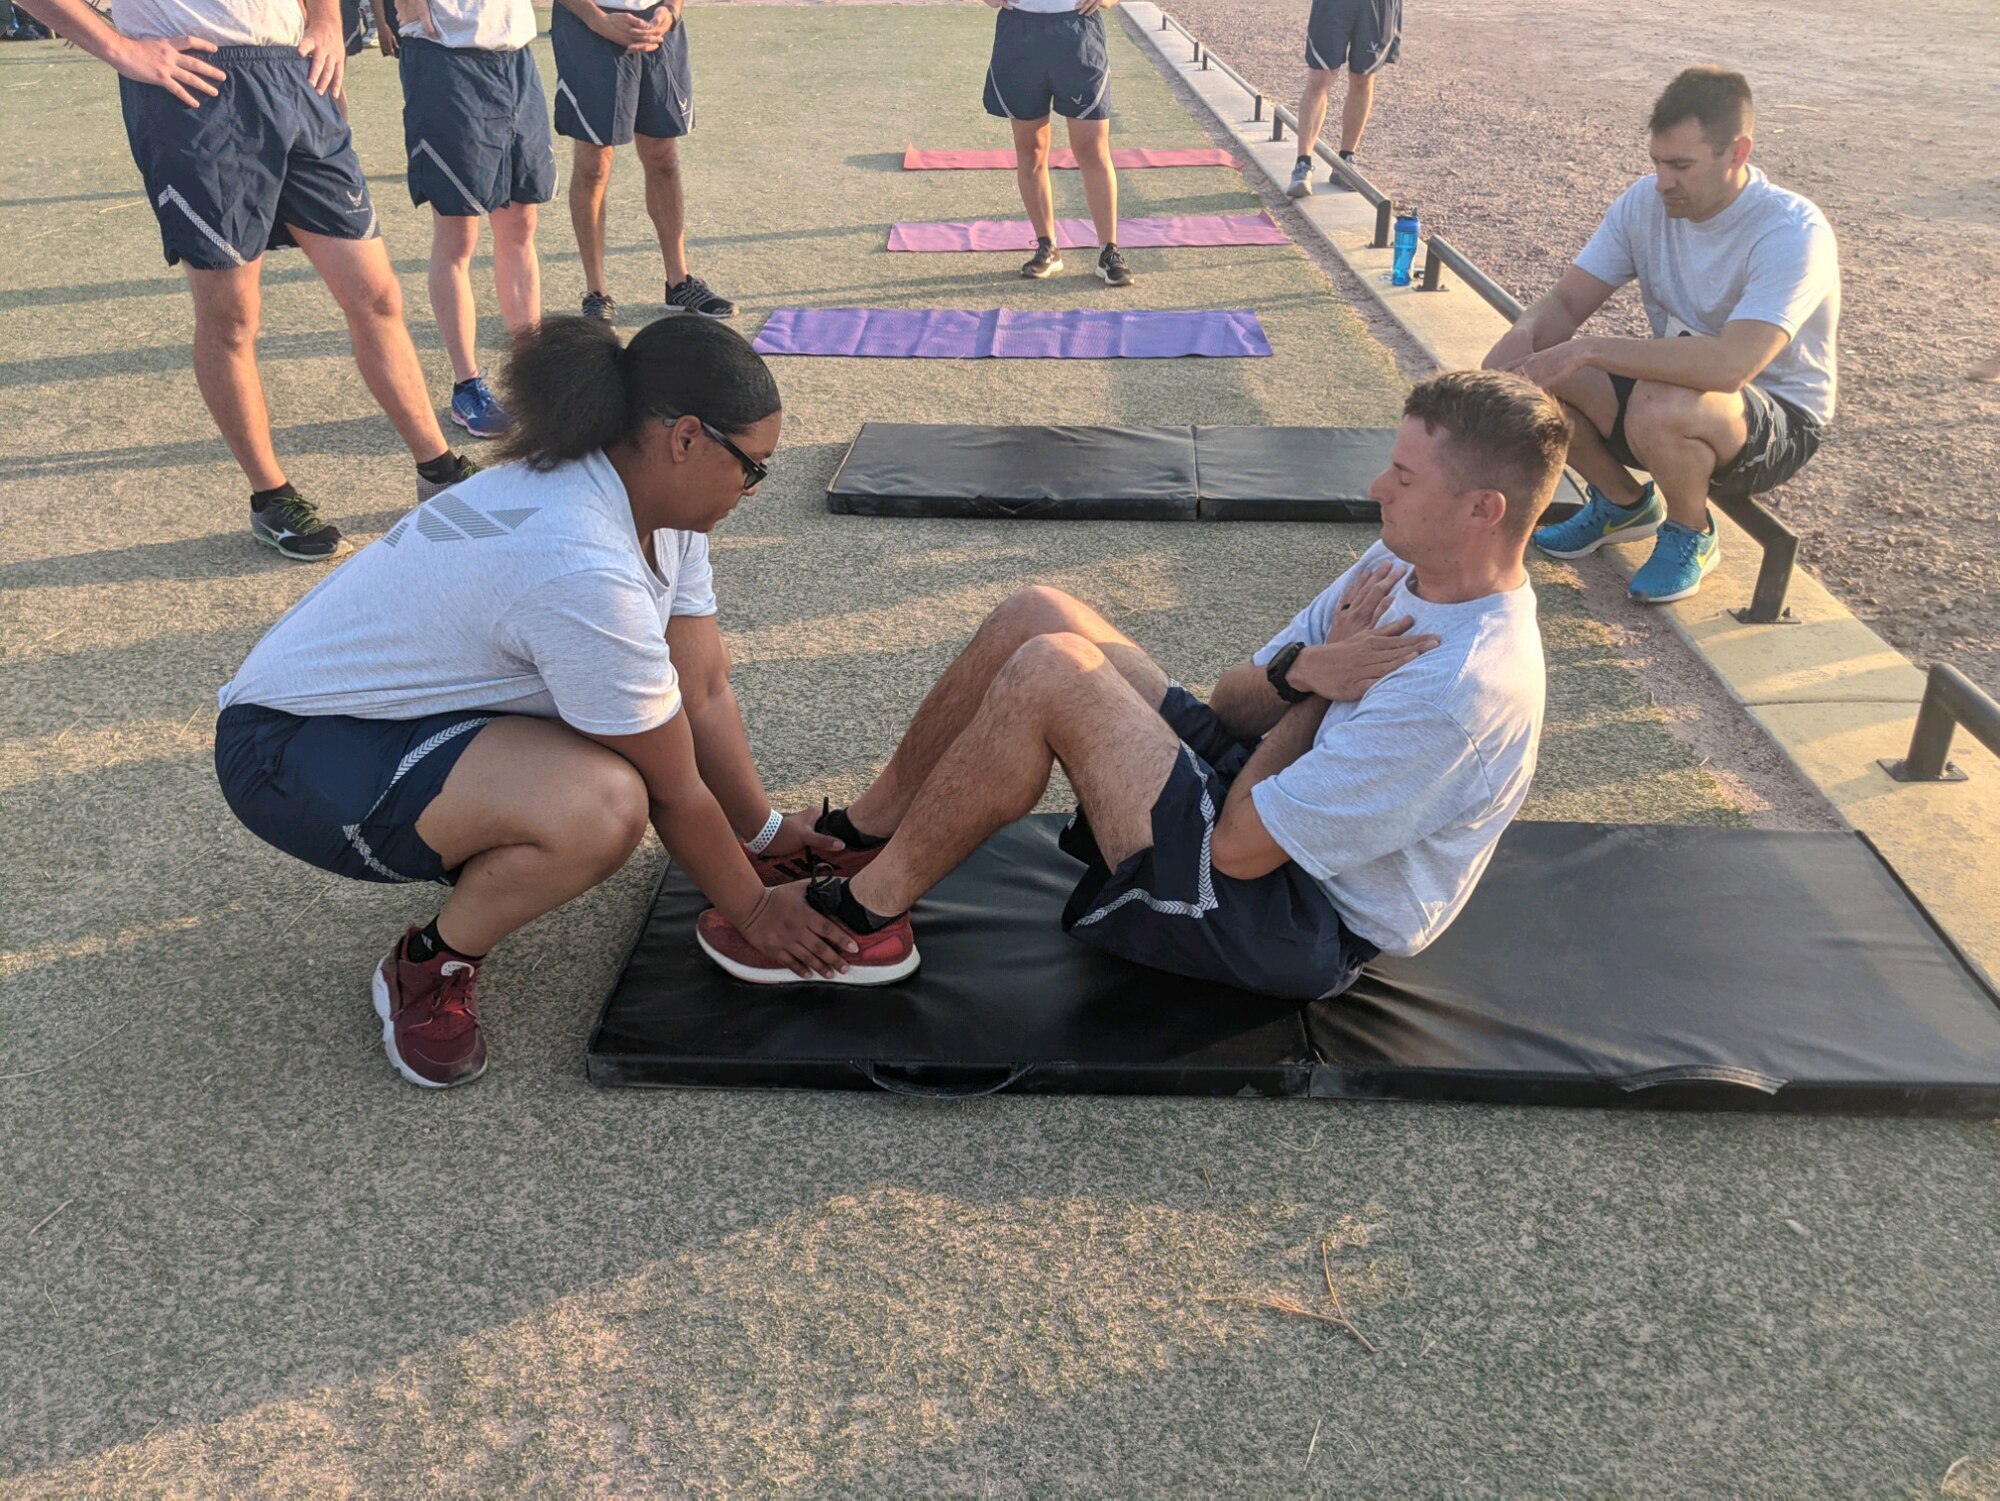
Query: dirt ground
[[1512, 123]]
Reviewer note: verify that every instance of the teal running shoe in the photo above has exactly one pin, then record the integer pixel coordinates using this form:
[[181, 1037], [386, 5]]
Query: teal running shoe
[[1681, 559], [1600, 521]]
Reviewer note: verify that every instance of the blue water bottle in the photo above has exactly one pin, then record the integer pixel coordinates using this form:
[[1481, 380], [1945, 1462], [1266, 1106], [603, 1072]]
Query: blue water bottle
[[1406, 246]]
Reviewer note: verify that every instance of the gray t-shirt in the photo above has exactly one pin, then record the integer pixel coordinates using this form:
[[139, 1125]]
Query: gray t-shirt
[[514, 591], [1769, 258], [493, 25], [1396, 808], [227, 23]]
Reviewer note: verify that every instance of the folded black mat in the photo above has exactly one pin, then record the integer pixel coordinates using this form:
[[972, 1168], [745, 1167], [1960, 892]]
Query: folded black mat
[[1118, 473], [1735, 969]]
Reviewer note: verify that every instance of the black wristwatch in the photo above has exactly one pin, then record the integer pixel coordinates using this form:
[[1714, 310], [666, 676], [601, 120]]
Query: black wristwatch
[[1281, 664]]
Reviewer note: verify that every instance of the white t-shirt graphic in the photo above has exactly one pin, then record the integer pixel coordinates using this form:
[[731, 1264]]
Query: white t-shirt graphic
[[514, 591]]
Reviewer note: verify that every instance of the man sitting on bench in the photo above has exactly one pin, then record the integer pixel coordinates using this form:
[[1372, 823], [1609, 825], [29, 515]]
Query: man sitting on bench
[[1339, 796], [1741, 285]]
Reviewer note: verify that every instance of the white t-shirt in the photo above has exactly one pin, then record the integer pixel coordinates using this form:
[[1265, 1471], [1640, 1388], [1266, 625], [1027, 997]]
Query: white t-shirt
[[227, 23], [1046, 7], [495, 25], [1396, 808], [1768, 257], [513, 591]]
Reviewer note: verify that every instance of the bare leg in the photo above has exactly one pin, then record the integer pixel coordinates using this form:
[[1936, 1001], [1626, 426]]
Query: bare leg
[[1591, 405], [1058, 698], [227, 305], [1031, 174], [1354, 109], [1312, 107], [589, 176], [956, 697], [453, 239], [1683, 436], [362, 281], [535, 814], [1091, 141], [517, 269], [666, 202]]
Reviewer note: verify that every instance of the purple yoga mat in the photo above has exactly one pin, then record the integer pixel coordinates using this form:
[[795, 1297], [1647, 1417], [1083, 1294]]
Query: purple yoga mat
[[1009, 334], [1076, 234]]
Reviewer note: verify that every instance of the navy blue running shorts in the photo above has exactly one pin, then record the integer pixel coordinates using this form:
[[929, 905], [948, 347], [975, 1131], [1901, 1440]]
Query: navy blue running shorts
[[1169, 908], [353, 26], [229, 179], [476, 128], [1358, 35], [605, 95], [1043, 63], [1782, 436], [338, 792]]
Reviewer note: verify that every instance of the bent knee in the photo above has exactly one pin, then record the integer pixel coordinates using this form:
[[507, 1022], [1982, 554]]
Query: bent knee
[[1038, 610], [604, 814], [1049, 657], [1658, 410]]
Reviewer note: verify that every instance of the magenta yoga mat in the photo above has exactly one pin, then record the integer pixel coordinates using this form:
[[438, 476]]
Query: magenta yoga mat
[[1011, 334], [1061, 159], [1077, 234]]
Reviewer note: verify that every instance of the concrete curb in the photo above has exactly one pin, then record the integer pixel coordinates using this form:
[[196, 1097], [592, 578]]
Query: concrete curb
[[1834, 696]]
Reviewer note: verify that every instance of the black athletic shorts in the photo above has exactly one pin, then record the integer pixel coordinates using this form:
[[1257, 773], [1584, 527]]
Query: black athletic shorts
[[1359, 35], [1169, 908], [1782, 437], [1045, 64]]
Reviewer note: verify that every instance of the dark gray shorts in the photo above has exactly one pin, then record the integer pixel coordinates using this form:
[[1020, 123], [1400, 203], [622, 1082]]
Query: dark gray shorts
[[1782, 437], [1045, 64], [1359, 35], [475, 127], [606, 96]]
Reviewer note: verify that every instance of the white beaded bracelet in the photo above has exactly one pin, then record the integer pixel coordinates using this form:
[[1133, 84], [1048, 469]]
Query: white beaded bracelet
[[769, 832]]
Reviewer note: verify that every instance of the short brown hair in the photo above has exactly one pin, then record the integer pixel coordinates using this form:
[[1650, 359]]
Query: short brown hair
[[1501, 433], [1716, 97]]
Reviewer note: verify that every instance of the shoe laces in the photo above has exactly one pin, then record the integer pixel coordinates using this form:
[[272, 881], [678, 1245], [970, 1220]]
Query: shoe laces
[[694, 287], [598, 302], [1111, 256], [298, 513], [454, 1007], [1682, 545]]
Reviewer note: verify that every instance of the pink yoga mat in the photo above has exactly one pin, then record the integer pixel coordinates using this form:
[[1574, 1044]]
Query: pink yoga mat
[[1125, 159], [1013, 334], [1076, 234]]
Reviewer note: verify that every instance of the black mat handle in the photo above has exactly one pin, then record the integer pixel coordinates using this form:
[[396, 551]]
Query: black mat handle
[[1703, 1073], [878, 1074]]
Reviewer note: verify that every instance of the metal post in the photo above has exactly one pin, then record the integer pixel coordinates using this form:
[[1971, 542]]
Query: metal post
[[1432, 266], [1277, 125], [1257, 109], [1950, 699], [1774, 575], [1385, 214]]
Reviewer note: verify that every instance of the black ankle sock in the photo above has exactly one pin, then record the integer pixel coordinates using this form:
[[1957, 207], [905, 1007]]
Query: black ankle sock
[[261, 498], [835, 898], [1305, 160], [425, 945], [462, 385], [1347, 156], [438, 470], [835, 821]]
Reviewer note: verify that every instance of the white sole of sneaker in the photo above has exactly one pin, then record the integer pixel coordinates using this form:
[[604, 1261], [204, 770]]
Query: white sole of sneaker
[[283, 551], [873, 975], [473, 431], [1632, 534], [1303, 190], [1101, 276], [381, 993]]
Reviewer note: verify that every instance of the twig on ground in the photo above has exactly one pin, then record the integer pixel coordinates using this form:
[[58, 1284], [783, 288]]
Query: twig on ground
[[1290, 1306], [52, 1304], [52, 1214], [1206, 1179], [307, 907], [1310, 1447], [30, 1072], [1333, 1292]]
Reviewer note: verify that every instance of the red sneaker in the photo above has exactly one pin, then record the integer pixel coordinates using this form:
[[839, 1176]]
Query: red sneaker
[[801, 865], [886, 956], [430, 1017]]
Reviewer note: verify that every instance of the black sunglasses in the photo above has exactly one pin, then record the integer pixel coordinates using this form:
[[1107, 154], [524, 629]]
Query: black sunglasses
[[754, 473]]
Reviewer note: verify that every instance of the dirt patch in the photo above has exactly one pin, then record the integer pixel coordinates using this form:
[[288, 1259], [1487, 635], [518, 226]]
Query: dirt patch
[[1512, 124]]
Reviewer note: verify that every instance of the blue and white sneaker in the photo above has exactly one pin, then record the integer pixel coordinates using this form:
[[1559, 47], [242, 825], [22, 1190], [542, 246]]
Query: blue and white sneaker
[[1681, 559], [475, 408], [1600, 521]]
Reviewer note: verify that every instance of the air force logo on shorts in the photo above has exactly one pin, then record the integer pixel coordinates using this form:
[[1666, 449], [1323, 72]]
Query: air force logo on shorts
[[605, 95]]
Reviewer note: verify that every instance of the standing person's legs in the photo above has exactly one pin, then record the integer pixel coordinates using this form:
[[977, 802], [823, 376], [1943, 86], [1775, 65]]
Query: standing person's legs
[[666, 202], [453, 240], [589, 177], [1091, 141], [1056, 698], [1312, 107], [517, 268], [1591, 403], [1031, 175], [1354, 111], [956, 697], [363, 282], [227, 305]]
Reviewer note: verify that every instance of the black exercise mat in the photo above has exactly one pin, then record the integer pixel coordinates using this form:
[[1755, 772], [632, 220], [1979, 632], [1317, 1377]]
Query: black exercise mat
[[1119, 473], [1736, 969], [1300, 473], [1048, 473]]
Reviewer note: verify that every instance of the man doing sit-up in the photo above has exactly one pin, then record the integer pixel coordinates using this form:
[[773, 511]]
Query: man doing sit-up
[[1339, 795]]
